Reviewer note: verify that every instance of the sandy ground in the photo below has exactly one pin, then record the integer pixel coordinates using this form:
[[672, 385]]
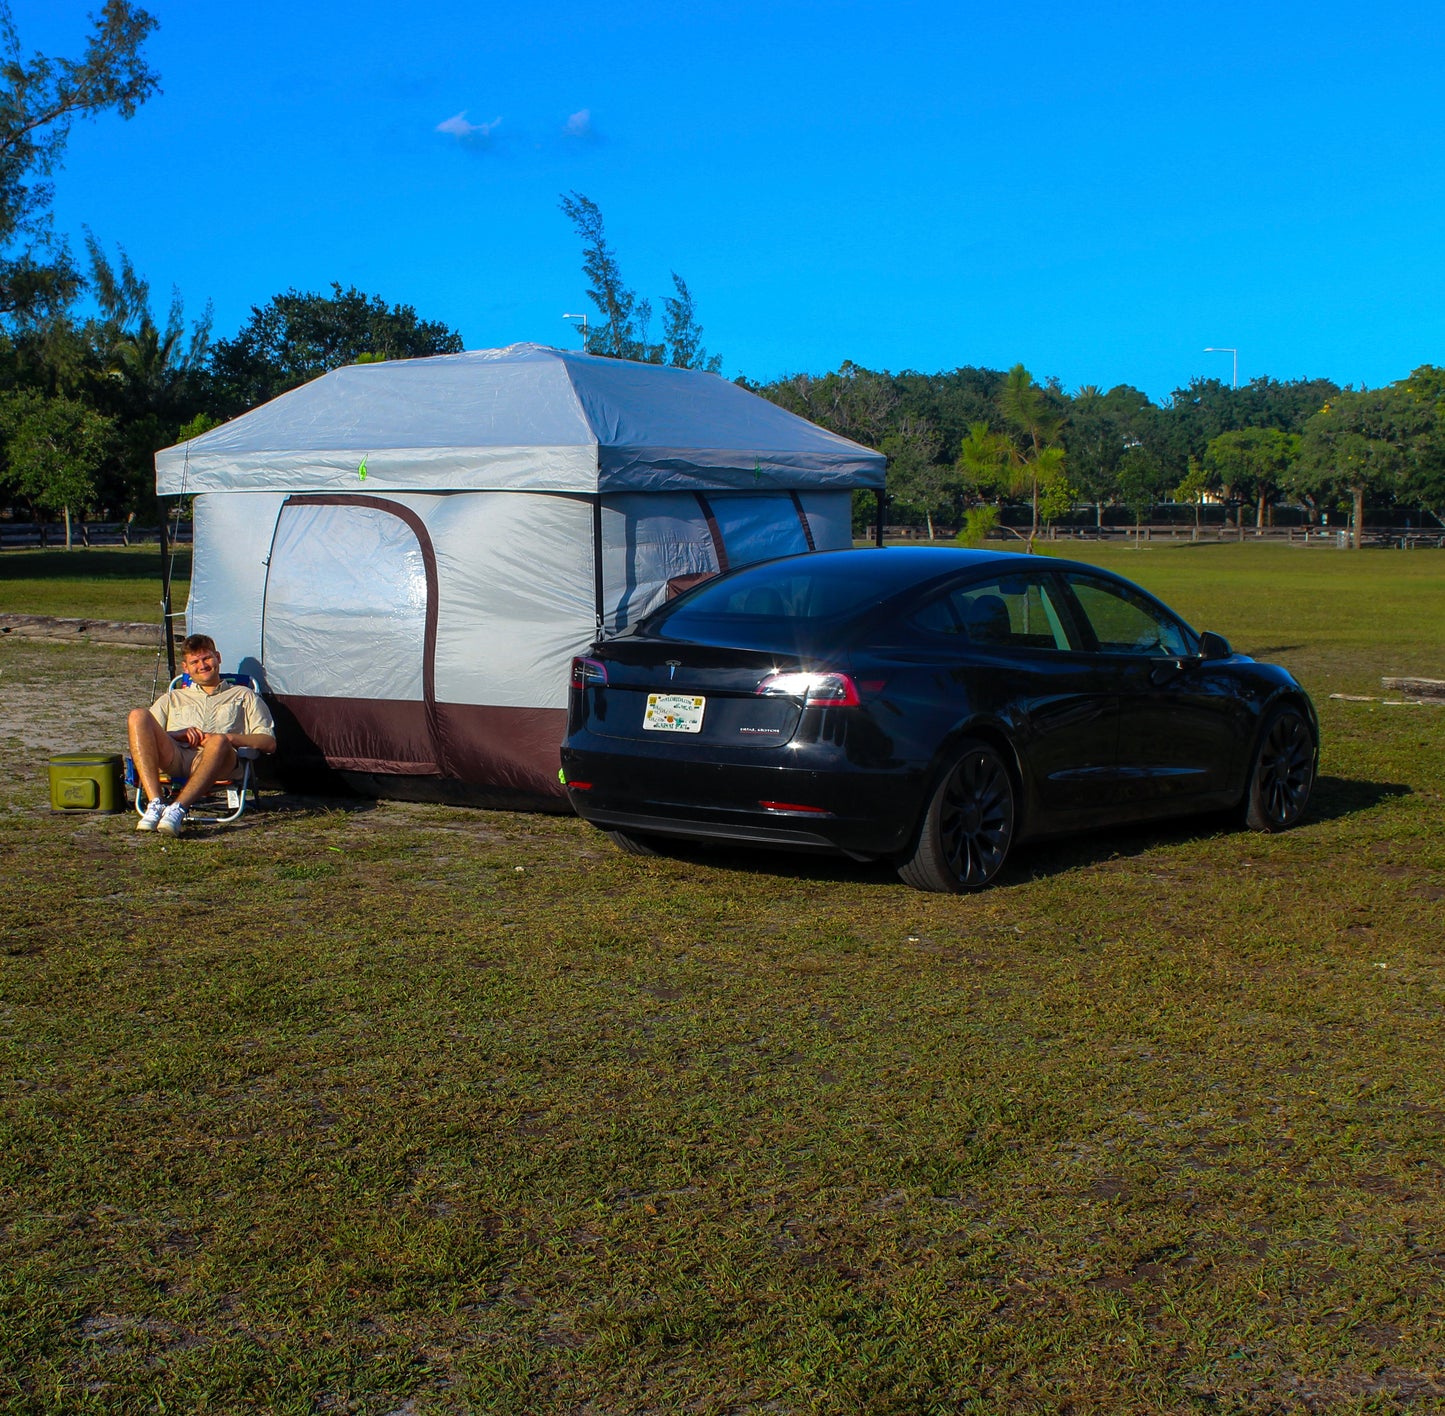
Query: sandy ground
[[58, 696]]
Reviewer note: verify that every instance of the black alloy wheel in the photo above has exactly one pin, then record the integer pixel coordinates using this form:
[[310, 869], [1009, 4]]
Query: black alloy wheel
[[1283, 774], [968, 827]]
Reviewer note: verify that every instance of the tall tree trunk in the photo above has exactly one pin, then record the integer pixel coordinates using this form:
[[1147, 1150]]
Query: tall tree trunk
[[68, 545], [1359, 516], [928, 517]]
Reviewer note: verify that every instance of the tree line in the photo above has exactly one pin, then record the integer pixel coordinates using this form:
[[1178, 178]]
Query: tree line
[[94, 379], [963, 444]]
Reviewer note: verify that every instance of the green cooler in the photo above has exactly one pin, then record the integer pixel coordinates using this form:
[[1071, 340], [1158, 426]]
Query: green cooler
[[87, 781]]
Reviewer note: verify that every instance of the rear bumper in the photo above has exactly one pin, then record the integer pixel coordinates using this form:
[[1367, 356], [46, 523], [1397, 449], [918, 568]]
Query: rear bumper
[[706, 829], [857, 812]]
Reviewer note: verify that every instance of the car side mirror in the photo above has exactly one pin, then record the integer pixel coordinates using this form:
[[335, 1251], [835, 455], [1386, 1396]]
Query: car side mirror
[[1214, 646]]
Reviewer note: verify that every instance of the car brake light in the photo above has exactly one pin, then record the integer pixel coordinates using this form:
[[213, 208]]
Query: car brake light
[[588, 671], [816, 690]]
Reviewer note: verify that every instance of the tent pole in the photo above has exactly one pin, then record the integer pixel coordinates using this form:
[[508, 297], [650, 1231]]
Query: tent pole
[[166, 634], [597, 560]]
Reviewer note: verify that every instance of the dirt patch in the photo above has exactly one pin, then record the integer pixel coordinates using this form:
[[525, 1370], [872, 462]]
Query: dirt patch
[[69, 696]]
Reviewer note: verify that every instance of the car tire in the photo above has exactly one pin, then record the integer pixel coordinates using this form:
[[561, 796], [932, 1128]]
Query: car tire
[[968, 827], [630, 844], [1282, 774]]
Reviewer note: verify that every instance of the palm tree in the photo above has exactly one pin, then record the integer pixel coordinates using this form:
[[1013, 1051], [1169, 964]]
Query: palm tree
[[143, 373], [1037, 458], [984, 459]]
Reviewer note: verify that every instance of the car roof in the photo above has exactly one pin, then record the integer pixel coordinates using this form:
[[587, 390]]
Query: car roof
[[911, 566], [923, 562], [944, 557]]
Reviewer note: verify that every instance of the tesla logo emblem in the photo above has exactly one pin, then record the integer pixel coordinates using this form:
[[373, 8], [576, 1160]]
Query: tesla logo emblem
[[672, 667]]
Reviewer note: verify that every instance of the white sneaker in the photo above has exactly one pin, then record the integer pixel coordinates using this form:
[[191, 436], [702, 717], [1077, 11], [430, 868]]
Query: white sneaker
[[172, 822], [151, 817]]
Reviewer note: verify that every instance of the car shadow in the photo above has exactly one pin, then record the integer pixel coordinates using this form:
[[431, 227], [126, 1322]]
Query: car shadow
[[783, 864], [1333, 799], [274, 804], [284, 803]]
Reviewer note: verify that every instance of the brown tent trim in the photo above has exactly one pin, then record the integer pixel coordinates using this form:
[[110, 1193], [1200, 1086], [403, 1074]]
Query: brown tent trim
[[803, 521], [713, 530]]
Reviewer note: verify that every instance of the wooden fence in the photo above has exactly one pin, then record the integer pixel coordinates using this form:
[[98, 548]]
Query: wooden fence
[[28, 535], [1004, 537]]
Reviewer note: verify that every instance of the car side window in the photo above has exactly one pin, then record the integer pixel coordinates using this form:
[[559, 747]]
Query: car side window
[[1012, 612], [937, 617], [1125, 623]]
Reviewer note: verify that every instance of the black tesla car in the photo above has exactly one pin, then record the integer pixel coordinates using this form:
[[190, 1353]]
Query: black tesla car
[[929, 706]]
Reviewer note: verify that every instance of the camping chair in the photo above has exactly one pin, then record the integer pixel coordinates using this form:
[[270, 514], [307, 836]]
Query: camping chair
[[238, 788]]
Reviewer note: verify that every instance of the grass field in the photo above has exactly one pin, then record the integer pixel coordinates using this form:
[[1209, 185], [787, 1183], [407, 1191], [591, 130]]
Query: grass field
[[388, 1108], [120, 583]]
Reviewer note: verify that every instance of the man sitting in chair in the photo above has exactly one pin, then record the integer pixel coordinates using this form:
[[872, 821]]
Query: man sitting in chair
[[193, 732]]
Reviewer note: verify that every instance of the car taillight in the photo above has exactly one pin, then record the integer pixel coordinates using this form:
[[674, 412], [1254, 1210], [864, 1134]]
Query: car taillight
[[816, 690], [588, 671]]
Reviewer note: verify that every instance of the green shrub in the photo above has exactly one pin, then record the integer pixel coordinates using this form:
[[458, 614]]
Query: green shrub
[[978, 522]]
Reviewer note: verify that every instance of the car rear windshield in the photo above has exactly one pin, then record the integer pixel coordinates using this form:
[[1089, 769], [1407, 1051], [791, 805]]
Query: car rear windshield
[[804, 591]]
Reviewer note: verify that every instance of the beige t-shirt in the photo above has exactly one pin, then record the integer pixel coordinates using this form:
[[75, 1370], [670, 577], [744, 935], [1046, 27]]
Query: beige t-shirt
[[232, 708]]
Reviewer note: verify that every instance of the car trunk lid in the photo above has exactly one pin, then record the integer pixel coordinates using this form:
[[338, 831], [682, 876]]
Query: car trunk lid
[[693, 694]]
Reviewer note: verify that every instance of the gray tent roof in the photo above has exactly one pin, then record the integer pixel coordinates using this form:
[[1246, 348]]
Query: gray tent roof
[[522, 418]]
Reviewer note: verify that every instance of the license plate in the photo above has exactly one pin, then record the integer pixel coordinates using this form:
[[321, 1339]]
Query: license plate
[[673, 713]]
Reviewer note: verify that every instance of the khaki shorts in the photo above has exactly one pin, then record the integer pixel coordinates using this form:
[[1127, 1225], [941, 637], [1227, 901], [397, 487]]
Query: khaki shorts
[[184, 759]]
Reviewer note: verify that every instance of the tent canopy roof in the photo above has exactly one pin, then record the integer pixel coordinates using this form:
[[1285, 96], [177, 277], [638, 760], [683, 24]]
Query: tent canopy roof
[[527, 417]]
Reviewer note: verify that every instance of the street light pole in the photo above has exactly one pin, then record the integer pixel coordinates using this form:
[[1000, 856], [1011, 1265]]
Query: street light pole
[[1211, 349], [583, 318]]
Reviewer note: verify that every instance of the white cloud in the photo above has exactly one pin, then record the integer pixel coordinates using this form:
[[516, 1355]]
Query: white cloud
[[458, 127], [579, 125]]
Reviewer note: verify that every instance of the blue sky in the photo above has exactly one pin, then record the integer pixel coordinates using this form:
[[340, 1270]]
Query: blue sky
[[1097, 190]]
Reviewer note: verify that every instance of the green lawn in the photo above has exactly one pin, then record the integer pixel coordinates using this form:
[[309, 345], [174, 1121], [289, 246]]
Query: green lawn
[[119, 583], [1338, 617], [389, 1108]]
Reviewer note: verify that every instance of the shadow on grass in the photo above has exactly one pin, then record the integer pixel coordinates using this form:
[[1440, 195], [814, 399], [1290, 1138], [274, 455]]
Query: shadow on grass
[[284, 803], [275, 805], [97, 564], [1333, 799]]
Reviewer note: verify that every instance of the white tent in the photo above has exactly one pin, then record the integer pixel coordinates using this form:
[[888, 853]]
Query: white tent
[[408, 554]]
